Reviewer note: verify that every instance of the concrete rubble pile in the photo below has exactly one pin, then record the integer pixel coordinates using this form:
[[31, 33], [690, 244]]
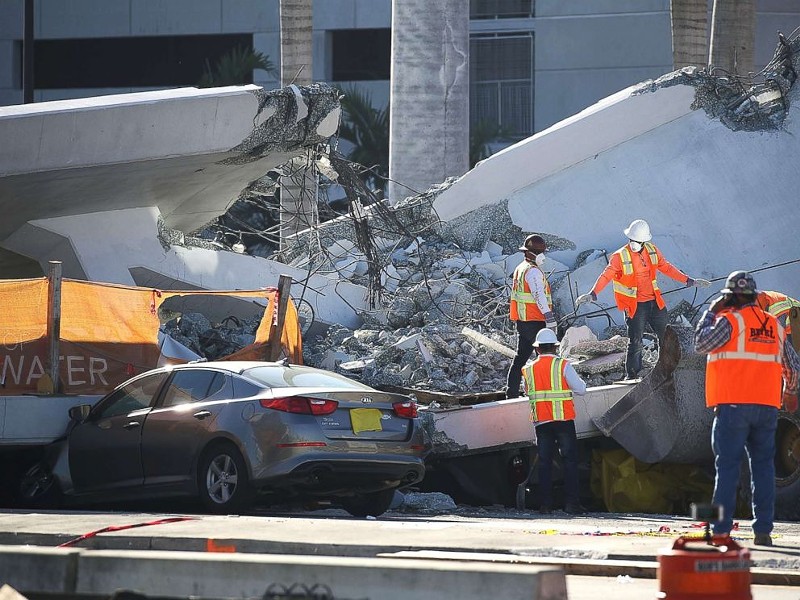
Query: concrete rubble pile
[[442, 320]]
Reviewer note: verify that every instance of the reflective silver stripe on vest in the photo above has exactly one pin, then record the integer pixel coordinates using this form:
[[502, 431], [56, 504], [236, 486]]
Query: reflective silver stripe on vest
[[627, 263], [740, 354], [556, 396]]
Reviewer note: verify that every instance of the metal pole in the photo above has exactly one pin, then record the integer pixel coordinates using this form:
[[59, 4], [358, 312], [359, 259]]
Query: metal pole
[[27, 54], [54, 323], [284, 287]]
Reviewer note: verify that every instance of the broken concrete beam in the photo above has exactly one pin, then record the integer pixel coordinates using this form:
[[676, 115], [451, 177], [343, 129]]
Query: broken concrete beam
[[488, 342]]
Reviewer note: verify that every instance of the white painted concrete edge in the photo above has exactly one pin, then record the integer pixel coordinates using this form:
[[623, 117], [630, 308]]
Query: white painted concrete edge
[[610, 122], [223, 575]]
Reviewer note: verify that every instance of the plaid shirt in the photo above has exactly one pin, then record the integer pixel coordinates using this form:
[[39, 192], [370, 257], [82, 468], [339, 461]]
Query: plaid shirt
[[713, 331]]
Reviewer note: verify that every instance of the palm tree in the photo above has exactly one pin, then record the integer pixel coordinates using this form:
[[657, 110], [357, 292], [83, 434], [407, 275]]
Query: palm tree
[[235, 68], [367, 128], [296, 47], [733, 26], [689, 21]]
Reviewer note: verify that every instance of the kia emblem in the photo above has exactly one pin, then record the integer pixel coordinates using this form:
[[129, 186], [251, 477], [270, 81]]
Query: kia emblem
[[366, 400]]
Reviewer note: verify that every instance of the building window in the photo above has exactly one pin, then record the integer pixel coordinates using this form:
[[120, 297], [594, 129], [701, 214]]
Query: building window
[[361, 54], [164, 61], [501, 9], [501, 82]]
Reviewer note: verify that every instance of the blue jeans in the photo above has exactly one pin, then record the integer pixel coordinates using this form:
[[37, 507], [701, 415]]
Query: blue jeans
[[646, 312], [526, 335], [740, 428], [548, 436]]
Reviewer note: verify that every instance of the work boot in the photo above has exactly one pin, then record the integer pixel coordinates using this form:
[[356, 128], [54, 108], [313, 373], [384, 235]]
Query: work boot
[[763, 539]]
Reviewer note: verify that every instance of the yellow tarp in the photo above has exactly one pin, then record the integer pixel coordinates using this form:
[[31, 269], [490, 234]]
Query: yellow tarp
[[628, 485], [107, 332]]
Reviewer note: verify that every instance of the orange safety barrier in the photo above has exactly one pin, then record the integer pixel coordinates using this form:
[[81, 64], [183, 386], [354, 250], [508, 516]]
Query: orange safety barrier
[[696, 568], [108, 333]]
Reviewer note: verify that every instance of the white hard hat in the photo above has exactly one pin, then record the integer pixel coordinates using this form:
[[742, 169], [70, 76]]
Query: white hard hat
[[545, 336], [638, 231]]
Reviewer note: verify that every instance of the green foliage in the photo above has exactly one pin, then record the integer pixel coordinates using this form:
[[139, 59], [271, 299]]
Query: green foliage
[[481, 135], [235, 68], [367, 128]]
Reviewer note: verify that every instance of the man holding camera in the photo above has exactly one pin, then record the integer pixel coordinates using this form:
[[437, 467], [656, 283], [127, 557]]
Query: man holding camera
[[748, 364]]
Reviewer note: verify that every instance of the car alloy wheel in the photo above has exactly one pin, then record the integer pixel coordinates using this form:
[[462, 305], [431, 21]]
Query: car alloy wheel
[[223, 479], [39, 487]]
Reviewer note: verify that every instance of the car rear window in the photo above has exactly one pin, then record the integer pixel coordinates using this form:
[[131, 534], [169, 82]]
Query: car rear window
[[301, 377]]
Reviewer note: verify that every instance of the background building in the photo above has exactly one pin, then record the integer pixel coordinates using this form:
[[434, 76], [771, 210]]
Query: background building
[[533, 62]]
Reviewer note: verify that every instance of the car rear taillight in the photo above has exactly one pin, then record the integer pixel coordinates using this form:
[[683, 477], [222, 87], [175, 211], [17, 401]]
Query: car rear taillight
[[407, 409], [301, 405]]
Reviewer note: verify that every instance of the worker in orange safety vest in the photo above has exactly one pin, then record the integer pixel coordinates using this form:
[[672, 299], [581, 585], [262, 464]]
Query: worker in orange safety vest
[[550, 382], [530, 307], [750, 371], [778, 305], [633, 270]]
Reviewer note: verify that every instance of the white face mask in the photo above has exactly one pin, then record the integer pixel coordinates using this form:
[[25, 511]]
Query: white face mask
[[539, 259], [635, 246]]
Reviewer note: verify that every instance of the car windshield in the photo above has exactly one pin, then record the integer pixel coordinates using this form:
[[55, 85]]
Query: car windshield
[[301, 377]]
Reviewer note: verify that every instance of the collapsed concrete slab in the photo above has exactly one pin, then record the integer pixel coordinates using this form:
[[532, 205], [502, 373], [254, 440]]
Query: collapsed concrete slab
[[704, 159], [113, 186]]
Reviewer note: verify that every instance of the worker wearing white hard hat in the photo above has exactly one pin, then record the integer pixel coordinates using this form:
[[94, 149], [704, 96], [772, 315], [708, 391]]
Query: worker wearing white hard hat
[[550, 382], [633, 272]]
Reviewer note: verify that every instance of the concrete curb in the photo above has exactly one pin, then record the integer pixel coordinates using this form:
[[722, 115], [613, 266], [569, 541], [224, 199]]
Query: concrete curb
[[638, 566], [642, 569], [214, 575]]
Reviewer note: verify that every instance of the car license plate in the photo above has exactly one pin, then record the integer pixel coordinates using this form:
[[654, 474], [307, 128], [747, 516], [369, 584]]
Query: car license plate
[[365, 419]]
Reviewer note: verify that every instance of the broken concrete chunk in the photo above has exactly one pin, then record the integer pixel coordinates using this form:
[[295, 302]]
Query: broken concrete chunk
[[575, 335], [600, 347], [333, 359]]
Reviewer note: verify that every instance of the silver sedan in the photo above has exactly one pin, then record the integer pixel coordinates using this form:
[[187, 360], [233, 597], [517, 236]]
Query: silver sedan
[[227, 432]]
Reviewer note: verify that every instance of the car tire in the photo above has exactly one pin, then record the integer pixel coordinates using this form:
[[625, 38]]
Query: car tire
[[787, 467], [369, 505], [222, 480], [39, 488]]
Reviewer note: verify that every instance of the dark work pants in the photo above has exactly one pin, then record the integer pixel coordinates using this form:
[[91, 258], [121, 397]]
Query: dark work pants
[[646, 313], [548, 436], [526, 335]]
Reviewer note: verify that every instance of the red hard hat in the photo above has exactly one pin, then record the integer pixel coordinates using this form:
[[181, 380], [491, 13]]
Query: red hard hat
[[534, 243]]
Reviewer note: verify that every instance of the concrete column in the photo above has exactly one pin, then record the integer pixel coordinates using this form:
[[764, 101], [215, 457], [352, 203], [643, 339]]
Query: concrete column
[[298, 192], [429, 128]]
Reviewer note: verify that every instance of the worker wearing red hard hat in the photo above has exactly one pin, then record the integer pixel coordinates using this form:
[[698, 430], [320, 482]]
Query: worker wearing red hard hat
[[531, 307]]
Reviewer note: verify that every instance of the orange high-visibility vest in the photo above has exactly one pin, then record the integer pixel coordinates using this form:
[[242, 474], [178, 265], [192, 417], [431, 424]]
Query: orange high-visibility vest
[[625, 289], [747, 368], [523, 304], [548, 392], [778, 305]]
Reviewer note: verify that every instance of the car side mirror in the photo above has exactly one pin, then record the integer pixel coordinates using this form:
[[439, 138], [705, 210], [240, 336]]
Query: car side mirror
[[80, 412]]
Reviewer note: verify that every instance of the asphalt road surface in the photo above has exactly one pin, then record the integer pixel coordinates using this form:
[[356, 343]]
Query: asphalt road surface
[[611, 555]]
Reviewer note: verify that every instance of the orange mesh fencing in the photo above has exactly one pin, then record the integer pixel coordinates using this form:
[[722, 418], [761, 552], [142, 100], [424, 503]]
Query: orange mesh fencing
[[108, 333]]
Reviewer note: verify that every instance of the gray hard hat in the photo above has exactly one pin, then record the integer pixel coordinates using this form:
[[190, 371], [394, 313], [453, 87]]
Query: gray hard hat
[[739, 282]]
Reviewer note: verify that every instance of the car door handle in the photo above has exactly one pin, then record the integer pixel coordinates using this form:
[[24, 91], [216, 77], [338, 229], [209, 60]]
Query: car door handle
[[202, 414], [132, 425]]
